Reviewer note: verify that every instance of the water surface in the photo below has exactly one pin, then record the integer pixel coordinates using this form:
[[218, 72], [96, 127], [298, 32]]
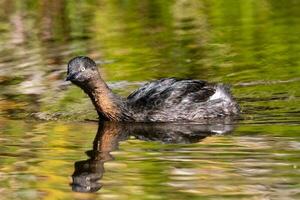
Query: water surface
[[44, 133]]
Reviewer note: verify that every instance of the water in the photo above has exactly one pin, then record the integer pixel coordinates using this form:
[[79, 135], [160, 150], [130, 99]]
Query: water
[[48, 147]]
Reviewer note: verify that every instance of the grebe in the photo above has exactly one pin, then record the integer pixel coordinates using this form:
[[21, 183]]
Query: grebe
[[163, 100]]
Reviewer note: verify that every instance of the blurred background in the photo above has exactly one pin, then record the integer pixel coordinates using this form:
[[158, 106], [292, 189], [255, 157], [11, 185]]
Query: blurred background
[[253, 45]]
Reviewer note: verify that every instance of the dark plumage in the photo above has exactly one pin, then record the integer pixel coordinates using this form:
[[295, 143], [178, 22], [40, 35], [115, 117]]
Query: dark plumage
[[162, 100]]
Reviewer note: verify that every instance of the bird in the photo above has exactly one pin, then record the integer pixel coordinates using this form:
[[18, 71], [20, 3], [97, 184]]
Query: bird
[[162, 100]]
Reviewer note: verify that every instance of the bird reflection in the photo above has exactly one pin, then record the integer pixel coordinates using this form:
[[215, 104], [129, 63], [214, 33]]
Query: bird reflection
[[88, 172]]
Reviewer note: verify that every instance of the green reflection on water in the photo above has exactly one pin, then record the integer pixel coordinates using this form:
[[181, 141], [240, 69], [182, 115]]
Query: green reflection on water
[[252, 45]]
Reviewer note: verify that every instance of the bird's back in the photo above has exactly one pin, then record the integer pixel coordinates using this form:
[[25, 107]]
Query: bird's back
[[180, 99]]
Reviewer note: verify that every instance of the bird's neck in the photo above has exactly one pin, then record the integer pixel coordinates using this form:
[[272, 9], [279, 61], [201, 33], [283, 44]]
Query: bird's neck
[[109, 106]]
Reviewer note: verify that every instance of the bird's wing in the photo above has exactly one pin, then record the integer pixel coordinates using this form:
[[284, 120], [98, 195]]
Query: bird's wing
[[171, 91]]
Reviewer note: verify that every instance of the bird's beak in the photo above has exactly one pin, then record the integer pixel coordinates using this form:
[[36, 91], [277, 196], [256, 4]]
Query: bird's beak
[[71, 77]]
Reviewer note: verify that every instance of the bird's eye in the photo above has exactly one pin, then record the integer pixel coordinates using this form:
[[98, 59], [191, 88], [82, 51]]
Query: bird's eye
[[82, 69]]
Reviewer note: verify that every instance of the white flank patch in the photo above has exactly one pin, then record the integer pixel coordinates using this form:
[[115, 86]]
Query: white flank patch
[[220, 94]]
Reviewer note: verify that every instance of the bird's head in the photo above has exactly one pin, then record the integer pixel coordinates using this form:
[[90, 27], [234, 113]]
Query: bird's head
[[81, 70]]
